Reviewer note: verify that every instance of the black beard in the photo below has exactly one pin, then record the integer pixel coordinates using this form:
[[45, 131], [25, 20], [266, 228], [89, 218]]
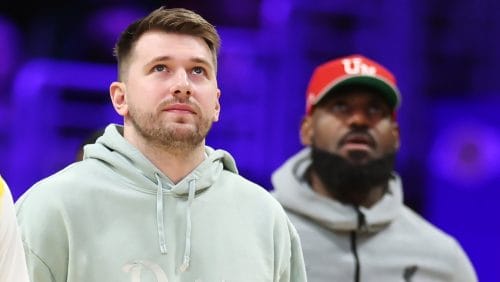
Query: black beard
[[346, 181]]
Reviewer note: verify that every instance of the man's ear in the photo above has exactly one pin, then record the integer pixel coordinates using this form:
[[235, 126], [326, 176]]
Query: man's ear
[[217, 106], [306, 130], [117, 92], [396, 135]]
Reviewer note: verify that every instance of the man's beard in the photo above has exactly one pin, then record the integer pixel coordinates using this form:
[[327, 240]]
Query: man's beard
[[346, 181], [166, 135]]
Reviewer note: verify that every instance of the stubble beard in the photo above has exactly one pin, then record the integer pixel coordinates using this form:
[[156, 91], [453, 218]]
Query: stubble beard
[[174, 137]]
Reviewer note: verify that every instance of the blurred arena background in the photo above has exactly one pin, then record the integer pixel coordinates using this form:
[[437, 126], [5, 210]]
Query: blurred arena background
[[56, 65]]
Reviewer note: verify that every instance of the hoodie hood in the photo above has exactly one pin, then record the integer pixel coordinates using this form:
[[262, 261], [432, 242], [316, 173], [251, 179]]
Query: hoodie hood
[[293, 191], [126, 160]]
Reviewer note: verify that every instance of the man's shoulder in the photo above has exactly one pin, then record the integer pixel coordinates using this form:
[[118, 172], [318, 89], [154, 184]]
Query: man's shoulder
[[243, 188], [68, 181], [418, 225], [73, 174], [247, 184]]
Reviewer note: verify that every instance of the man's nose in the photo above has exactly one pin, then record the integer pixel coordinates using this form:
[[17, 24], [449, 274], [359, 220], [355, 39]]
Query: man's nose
[[359, 118], [181, 85]]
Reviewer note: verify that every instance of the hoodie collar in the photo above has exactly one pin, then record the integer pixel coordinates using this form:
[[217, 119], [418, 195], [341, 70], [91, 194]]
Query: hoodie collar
[[125, 159], [296, 195]]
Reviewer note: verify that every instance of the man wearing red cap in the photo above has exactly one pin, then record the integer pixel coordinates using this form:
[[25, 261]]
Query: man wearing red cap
[[342, 194]]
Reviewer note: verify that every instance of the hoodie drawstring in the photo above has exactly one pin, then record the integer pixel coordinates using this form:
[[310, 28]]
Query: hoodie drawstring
[[161, 225], [159, 216], [187, 251]]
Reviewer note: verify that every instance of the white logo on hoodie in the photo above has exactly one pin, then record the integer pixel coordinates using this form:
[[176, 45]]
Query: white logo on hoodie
[[135, 268]]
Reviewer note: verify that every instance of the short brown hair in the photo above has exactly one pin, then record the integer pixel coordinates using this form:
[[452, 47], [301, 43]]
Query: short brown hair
[[175, 20]]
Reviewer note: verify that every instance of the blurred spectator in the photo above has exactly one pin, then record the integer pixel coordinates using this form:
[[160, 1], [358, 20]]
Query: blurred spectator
[[341, 191]]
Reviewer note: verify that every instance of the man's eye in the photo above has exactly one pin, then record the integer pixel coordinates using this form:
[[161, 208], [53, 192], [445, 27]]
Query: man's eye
[[159, 68], [377, 110], [338, 108], [198, 70]]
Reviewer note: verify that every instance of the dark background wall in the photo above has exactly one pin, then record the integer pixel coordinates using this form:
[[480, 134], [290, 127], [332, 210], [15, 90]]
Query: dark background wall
[[56, 65]]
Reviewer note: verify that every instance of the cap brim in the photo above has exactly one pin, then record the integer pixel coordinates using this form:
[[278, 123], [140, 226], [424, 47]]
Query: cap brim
[[390, 93]]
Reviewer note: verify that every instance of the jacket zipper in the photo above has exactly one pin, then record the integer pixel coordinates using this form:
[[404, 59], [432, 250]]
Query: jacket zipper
[[354, 244], [354, 251]]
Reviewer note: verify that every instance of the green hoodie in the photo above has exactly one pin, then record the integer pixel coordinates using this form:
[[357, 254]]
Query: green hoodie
[[116, 217]]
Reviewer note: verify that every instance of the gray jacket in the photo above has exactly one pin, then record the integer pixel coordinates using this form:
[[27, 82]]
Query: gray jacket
[[387, 242]]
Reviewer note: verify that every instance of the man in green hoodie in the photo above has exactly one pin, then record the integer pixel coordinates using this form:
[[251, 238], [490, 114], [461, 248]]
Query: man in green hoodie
[[150, 201]]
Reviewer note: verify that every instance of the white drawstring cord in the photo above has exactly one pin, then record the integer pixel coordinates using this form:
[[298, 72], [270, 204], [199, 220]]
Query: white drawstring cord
[[187, 251], [159, 216]]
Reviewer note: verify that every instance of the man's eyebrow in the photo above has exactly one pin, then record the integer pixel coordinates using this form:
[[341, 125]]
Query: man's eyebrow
[[158, 59], [198, 60], [201, 61]]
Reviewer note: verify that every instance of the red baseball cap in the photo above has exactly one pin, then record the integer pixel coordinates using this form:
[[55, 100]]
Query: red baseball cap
[[351, 70]]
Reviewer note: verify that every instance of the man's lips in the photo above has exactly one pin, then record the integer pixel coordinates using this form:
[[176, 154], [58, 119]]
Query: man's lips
[[355, 140], [181, 108]]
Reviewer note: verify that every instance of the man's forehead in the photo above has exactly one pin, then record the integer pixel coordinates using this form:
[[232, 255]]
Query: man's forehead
[[155, 42]]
